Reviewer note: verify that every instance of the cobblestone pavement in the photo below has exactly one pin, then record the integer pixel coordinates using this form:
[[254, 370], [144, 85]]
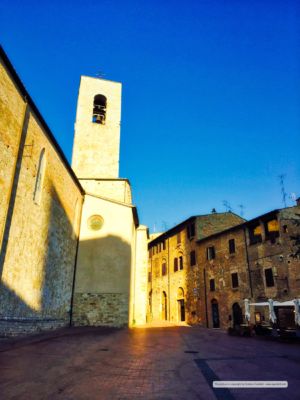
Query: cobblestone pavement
[[154, 363]]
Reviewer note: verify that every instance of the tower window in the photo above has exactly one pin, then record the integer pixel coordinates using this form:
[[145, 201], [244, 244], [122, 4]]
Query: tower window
[[99, 109]]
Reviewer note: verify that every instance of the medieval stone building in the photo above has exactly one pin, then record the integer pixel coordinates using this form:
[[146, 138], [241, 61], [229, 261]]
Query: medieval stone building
[[72, 248], [203, 276], [173, 282]]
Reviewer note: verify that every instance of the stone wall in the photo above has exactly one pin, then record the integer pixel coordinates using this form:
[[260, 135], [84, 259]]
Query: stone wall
[[100, 309]]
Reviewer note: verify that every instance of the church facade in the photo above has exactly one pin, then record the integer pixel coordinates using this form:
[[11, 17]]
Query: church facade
[[72, 249]]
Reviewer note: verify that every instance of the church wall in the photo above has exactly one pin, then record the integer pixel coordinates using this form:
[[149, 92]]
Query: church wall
[[12, 111], [40, 234], [104, 263]]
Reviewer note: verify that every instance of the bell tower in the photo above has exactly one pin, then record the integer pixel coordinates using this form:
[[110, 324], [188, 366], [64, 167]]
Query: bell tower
[[97, 129]]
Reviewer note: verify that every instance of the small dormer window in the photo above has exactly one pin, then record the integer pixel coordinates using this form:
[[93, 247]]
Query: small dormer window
[[99, 109]]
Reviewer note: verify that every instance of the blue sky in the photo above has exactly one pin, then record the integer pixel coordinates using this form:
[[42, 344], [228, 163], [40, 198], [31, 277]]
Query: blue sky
[[211, 93]]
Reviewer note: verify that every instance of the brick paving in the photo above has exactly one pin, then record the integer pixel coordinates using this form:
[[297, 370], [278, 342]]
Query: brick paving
[[146, 363]]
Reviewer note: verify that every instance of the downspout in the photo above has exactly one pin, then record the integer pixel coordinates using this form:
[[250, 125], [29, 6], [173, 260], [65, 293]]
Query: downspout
[[248, 264], [75, 265]]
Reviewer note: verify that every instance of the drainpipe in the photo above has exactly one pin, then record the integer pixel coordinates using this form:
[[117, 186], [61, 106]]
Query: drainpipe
[[205, 298], [248, 264]]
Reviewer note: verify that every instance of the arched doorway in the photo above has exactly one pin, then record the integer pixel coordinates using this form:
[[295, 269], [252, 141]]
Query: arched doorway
[[150, 302], [181, 306], [164, 306], [237, 314], [215, 313]]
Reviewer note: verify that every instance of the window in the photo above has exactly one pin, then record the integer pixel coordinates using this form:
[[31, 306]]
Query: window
[[164, 269], [271, 230], [255, 234], [175, 264], [235, 280], [178, 238], [192, 258], [212, 285], [156, 268], [99, 109], [164, 245], [231, 244], [210, 253], [180, 262], [269, 277], [191, 230], [37, 195]]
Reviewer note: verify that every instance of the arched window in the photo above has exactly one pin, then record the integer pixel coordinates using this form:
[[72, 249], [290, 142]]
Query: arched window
[[39, 178], [99, 109], [175, 264], [164, 267]]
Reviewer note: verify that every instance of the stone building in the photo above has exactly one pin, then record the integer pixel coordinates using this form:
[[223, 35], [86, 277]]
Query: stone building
[[72, 249], [173, 287], [258, 259], [200, 272]]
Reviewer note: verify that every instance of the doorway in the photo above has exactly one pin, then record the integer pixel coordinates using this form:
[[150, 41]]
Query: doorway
[[215, 314], [164, 306], [181, 310], [237, 315]]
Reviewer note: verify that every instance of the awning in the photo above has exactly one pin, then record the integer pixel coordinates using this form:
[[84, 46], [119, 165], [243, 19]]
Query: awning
[[271, 304]]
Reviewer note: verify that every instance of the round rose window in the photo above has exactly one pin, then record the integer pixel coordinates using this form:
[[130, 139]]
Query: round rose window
[[95, 222]]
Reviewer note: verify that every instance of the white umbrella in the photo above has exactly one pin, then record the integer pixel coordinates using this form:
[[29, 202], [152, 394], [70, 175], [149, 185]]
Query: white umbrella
[[297, 311], [272, 314], [247, 310]]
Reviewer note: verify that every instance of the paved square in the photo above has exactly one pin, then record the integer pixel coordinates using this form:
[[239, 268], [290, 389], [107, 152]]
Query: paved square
[[146, 363]]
